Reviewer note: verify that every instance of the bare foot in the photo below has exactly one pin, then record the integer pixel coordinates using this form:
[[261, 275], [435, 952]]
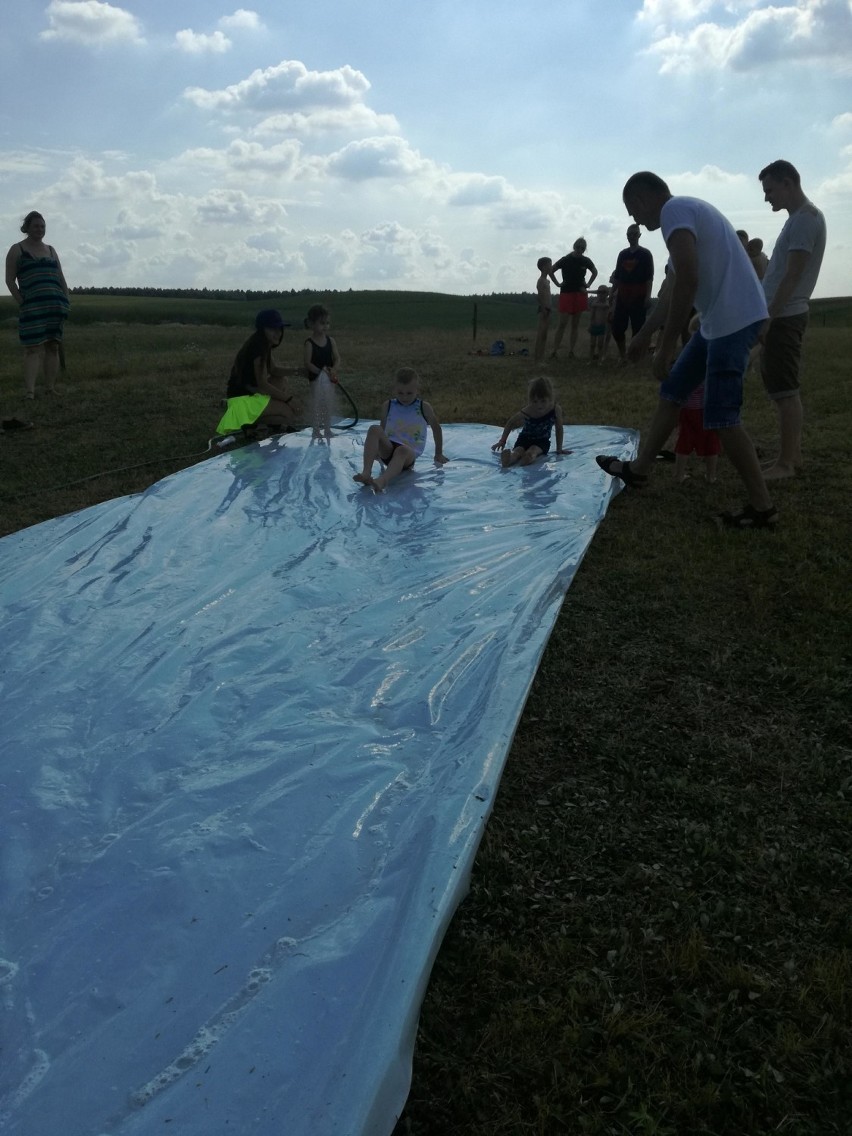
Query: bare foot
[[364, 478], [777, 471], [380, 484]]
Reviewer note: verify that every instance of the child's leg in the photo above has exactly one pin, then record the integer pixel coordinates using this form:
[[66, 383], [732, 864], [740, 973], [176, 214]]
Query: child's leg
[[530, 455], [278, 413], [511, 457], [403, 457], [564, 317], [541, 337], [376, 445], [711, 463]]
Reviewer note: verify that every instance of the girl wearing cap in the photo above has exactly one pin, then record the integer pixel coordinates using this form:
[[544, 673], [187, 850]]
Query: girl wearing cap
[[257, 390]]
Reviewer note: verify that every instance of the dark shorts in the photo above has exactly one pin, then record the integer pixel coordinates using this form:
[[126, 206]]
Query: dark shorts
[[572, 303], [525, 441], [718, 363], [597, 329], [632, 312], [781, 358]]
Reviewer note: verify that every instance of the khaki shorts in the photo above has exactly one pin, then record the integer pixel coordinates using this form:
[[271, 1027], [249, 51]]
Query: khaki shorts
[[781, 358]]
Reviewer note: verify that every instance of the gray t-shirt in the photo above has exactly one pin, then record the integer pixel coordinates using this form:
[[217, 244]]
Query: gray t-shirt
[[804, 231]]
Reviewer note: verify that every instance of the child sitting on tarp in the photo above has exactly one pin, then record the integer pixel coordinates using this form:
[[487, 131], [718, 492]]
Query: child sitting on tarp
[[536, 422], [401, 437]]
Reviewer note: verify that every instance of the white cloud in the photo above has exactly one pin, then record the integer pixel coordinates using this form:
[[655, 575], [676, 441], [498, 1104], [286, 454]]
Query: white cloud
[[241, 19], [802, 32], [199, 43], [477, 189], [282, 158], [288, 86], [673, 11], [91, 22], [377, 158], [234, 207], [355, 119]]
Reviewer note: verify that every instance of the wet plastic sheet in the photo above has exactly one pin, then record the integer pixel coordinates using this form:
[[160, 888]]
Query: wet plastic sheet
[[254, 720]]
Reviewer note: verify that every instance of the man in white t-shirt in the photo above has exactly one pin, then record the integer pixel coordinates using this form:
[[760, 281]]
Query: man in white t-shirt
[[789, 281], [712, 273]]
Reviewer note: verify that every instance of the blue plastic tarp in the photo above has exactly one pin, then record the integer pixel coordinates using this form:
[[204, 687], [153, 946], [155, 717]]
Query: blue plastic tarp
[[253, 723]]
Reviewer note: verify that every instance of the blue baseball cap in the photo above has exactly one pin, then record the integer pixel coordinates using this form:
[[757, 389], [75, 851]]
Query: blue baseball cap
[[269, 317]]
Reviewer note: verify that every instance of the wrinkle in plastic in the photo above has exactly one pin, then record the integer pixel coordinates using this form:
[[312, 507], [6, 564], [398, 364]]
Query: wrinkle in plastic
[[254, 720]]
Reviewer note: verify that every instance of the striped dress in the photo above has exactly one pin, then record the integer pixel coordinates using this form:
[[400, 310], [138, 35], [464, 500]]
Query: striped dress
[[44, 305]]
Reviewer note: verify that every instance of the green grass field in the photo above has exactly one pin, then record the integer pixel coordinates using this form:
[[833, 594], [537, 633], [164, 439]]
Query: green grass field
[[658, 936]]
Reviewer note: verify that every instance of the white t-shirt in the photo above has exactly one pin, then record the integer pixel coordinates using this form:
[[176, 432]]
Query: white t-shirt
[[729, 295], [804, 231]]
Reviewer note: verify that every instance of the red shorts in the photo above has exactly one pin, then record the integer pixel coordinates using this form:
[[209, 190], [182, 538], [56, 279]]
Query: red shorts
[[691, 435], [573, 302]]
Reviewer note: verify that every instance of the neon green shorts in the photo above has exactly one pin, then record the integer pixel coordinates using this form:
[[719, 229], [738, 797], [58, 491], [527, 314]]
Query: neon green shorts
[[242, 411]]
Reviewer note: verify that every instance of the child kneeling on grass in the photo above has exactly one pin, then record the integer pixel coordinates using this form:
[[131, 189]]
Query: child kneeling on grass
[[536, 422], [401, 437]]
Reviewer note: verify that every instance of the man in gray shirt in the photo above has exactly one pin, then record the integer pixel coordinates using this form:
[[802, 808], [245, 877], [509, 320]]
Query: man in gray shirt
[[789, 281]]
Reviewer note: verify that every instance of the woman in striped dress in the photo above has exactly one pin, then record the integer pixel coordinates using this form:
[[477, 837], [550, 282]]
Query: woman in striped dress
[[35, 279]]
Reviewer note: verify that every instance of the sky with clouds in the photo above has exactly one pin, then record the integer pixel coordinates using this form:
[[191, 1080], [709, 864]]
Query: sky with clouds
[[438, 145]]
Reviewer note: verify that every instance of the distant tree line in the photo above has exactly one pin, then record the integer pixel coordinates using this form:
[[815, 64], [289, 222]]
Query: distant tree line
[[188, 293], [249, 295]]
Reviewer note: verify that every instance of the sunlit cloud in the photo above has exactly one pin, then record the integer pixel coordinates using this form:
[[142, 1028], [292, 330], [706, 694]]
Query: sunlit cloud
[[377, 158], [199, 43], [288, 86], [91, 22], [805, 32], [242, 19]]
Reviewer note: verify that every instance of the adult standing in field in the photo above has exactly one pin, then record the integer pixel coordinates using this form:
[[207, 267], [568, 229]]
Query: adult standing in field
[[34, 277], [711, 272], [573, 288], [633, 279], [790, 279], [257, 389]]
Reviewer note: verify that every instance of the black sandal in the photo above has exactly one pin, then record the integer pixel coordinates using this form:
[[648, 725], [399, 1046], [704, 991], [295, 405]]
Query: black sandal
[[625, 474], [751, 518]]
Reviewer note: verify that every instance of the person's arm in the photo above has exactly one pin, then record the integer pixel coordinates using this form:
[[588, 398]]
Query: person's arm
[[12, 273], [591, 279], [684, 256], [383, 422], [555, 268], [514, 423], [64, 282], [649, 286], [797, 262], [335, 354], [437, 433], [263, 373], [560, 431]]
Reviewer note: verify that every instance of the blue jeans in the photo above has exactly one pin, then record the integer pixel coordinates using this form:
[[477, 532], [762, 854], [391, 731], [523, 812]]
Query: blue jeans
[[718, 363]]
